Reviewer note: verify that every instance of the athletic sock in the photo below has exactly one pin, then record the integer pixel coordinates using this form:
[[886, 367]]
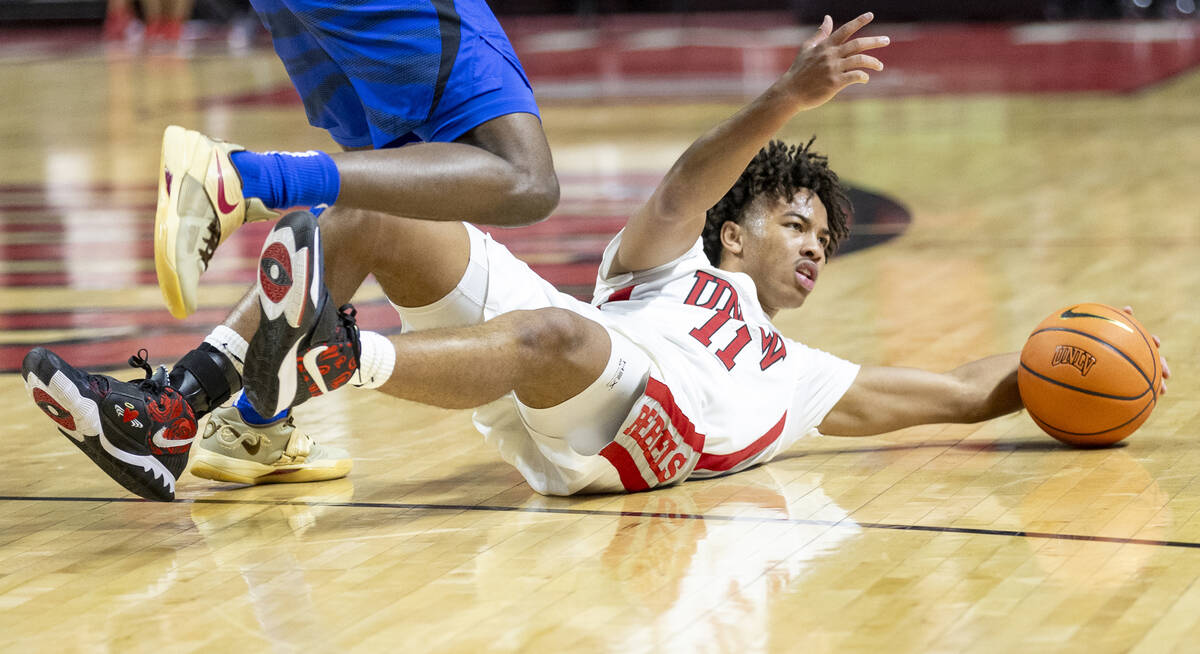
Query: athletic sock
[[252, 417], [376, 359], [230, 343], [288, 179]]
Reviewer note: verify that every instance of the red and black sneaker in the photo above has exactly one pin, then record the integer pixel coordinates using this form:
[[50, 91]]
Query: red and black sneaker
[[330, 354], [138, 432], [303, 346]]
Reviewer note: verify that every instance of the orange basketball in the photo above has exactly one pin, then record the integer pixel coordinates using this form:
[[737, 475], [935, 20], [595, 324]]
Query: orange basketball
[[1089, 374]]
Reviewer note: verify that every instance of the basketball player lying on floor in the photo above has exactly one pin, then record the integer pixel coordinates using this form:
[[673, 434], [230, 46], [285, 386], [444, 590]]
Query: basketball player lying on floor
[[674, 372]]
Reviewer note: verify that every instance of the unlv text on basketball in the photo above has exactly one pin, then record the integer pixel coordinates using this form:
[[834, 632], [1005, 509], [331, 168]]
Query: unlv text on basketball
[[1066, 354]]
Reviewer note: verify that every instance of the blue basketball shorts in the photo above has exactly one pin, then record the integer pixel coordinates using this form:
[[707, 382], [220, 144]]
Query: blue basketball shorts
[[383, 73]]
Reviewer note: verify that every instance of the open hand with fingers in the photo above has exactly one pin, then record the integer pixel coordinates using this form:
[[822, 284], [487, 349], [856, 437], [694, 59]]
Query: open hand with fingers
[[830, 61]]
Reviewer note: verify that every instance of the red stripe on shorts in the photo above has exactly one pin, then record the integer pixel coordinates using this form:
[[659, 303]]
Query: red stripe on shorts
[[723, 462], [682, 424], [619, 457], [657, 444]]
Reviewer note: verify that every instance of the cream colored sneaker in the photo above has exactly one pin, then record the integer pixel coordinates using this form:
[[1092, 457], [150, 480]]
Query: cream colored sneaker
[[200, 204], [233, 451]]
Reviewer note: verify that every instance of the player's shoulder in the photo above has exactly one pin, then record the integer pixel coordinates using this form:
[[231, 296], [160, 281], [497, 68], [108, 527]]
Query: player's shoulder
[[694, 257], [612, 281]]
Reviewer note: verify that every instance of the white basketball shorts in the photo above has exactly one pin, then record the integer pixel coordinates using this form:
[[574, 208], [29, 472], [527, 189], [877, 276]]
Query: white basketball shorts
[[496, 282]]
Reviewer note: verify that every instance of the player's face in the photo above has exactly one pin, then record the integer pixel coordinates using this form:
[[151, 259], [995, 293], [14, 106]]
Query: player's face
[[782, 247]]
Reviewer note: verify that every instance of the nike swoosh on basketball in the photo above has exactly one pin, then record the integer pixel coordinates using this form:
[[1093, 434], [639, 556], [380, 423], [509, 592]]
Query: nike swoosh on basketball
[[222, 205], [158, 439], [1070, 313], [314, 371]]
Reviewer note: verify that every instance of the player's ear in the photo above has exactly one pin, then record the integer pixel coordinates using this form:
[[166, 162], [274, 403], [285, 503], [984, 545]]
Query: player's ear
[[731, 237]]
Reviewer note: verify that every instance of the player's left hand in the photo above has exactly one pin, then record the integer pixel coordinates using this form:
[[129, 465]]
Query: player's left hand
[[1166, 371], [830, 60]]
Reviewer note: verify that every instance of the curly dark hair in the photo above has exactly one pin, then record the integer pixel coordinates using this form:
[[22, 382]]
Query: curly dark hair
[[778, 171]]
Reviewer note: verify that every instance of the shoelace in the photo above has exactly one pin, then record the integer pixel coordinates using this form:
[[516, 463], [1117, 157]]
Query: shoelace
[[347, 314], [155, 381], [210, 242]]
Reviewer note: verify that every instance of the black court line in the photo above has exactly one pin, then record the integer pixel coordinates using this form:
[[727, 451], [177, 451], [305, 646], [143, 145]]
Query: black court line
[[643, 514]]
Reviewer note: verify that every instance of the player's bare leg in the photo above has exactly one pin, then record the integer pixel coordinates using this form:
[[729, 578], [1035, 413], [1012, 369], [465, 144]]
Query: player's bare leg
[[546, 356], [435, 254], [499, 173], [421, 262]]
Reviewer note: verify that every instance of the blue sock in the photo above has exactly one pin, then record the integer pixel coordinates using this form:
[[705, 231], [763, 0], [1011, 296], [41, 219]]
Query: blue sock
[[288, 179], [251, 416]]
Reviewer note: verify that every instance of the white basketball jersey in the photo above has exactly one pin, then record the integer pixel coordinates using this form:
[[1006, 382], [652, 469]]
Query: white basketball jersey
[[748, 390]]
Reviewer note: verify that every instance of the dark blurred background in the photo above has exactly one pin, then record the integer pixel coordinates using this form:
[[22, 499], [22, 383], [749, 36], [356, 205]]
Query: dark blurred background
[[82, 11]]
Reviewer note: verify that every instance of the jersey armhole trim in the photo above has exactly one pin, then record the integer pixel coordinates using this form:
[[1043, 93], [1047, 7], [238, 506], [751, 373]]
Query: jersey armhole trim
[[620, 295]]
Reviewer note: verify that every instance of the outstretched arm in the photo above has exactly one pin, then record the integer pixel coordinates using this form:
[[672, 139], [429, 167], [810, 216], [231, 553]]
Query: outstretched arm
[[673, 218], [884, 399]]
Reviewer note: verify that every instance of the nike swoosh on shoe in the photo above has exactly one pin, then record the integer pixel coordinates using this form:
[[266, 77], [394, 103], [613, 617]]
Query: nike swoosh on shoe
[[222, 204], [165, 443], [314, 370]]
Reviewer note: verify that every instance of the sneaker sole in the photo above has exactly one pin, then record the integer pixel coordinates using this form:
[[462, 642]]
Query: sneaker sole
[[183, 150], [218, 467], [82, 415], [269, 373], [166, 220]]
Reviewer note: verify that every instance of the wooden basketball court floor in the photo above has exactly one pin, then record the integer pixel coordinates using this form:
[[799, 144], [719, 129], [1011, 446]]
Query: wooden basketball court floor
[[980, 538]]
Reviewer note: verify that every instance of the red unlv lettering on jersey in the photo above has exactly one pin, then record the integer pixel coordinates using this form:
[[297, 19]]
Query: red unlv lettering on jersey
[[722, 290], [773, 348], [724, 299]]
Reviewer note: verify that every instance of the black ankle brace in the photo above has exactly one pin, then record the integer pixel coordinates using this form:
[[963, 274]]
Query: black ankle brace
[[205, 377]]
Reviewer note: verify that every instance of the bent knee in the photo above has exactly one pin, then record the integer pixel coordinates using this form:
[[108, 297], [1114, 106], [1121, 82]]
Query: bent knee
[[351, 225], [533, 198], [544, 193], [555, 333], [560, 353]]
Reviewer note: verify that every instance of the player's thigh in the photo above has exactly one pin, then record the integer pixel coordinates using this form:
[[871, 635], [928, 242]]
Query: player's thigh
[[518, 139], [417, 262], [588, 415], [562, 353], [488, 103], [493, 282]]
